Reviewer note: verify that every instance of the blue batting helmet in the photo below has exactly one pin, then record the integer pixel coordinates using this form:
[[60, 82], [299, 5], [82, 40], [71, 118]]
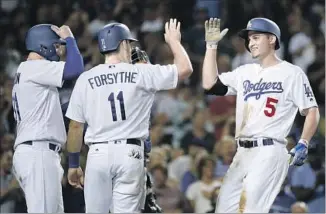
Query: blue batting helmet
[[261, 25], [41, 39], [111, 35]]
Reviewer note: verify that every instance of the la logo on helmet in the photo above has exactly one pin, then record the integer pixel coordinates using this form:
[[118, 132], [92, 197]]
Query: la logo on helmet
[[249, 25]]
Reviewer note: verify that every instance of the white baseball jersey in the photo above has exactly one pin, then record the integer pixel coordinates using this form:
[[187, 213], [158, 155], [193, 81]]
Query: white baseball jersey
[[268, 99], [115, 100], [36, 102]]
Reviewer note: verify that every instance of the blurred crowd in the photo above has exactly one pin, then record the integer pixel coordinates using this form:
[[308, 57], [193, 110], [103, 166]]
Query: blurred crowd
[[192, 134]]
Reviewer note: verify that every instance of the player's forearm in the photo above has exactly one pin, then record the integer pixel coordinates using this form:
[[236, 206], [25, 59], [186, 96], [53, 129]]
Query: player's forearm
[[181, 60], [310, 124], [75, 137], [74, 144], [74, 61], [209, 73]]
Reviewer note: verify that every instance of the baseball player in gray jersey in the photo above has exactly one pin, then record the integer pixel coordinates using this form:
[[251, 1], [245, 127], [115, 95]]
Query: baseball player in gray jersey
[[40, 127], [149, 197], [115, 100]]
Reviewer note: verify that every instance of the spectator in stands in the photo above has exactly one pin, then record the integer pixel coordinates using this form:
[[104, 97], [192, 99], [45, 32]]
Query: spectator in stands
[[199, 132], [169, 198], [224, 151], [299, 207], [9, 187], [201, 193]]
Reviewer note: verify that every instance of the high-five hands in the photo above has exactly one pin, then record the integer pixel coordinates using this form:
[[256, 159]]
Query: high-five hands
[[172, 31], [213, 33]]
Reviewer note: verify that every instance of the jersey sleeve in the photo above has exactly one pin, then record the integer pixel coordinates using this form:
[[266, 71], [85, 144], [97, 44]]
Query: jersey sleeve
[[75, 108], [302, 94], [230, 79], [50, 73], [158, 77]]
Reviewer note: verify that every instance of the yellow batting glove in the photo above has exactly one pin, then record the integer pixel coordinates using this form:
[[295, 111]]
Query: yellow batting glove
[[212, 32]]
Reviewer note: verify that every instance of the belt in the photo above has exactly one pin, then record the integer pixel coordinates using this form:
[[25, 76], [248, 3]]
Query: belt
[[132, 141], [52, 146], [254, 143]]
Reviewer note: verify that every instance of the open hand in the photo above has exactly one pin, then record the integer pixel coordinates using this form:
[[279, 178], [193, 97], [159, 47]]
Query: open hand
[[212, 31], [172, 31]]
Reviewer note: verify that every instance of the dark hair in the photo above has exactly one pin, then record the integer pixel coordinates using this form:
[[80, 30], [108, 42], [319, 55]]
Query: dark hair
[[161, 168], [203, 161]]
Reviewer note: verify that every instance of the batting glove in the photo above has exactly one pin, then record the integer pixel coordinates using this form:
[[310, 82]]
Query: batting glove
[[299, 153], [213, 33]]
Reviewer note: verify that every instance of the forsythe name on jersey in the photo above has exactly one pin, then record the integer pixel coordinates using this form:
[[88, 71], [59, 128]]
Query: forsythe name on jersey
[[112, 78]]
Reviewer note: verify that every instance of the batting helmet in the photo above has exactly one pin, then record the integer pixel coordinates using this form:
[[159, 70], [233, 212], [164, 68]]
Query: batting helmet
[[111, 35], [261, 25], [41, 39]]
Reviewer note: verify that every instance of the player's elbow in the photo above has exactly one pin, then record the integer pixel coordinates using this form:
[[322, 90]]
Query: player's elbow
[[207, 84], [313, 114], [184, 70]]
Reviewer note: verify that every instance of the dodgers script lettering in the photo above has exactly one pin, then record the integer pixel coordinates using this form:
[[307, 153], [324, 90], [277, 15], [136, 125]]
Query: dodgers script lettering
[[259, 88]]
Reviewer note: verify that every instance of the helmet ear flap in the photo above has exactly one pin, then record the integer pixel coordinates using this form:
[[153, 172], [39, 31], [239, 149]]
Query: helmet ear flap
[[49, 52]]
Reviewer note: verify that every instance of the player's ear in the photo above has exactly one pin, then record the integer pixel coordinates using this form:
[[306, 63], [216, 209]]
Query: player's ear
[[272, 39]]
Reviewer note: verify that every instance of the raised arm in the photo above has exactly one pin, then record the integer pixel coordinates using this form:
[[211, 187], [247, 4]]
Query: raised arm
[[173, 39], [212, 37]]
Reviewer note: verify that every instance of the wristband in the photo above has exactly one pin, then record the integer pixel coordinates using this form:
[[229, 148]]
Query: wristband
[[211, 46], [74, 160], [303, 141]]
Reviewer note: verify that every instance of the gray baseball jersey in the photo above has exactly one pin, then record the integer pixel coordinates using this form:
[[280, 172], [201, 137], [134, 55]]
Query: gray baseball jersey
[[36, 102], [115, 100]]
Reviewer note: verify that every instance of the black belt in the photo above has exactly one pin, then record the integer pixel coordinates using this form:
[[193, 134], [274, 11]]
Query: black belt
[[52, 146], [132, 141], [254, 143]]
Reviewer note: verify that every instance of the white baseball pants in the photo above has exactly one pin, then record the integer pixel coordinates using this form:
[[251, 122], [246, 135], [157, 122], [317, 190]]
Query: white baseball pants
[[253, 180], [114, 178], [39, 173]]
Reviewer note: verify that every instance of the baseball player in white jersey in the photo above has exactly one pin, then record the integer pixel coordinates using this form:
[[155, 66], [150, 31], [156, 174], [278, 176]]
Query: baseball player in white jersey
[[115, 100], [269, 95], [40, 127]]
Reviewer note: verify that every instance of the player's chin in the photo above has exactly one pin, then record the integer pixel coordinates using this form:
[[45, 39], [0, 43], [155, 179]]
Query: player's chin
[[254, 55]]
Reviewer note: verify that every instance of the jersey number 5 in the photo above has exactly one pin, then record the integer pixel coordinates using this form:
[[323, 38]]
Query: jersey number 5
[[270, 107], [113, 108]]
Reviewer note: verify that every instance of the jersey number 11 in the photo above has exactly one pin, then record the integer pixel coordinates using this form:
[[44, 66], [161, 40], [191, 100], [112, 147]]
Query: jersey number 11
[[113, 108]]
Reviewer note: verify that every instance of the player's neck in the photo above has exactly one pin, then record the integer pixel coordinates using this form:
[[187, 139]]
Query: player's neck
[[269, 60], [112, 59], [116, 57], [34, 56]]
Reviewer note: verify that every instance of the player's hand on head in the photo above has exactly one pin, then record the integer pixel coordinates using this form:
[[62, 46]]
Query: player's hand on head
[[172, 31], [299, 154], [76, 177], [213, 32], [63, 31]]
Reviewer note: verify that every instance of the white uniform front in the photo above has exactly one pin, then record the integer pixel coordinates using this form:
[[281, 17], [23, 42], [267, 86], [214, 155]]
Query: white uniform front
[[267, 103], [40, 134], [115, 101]]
